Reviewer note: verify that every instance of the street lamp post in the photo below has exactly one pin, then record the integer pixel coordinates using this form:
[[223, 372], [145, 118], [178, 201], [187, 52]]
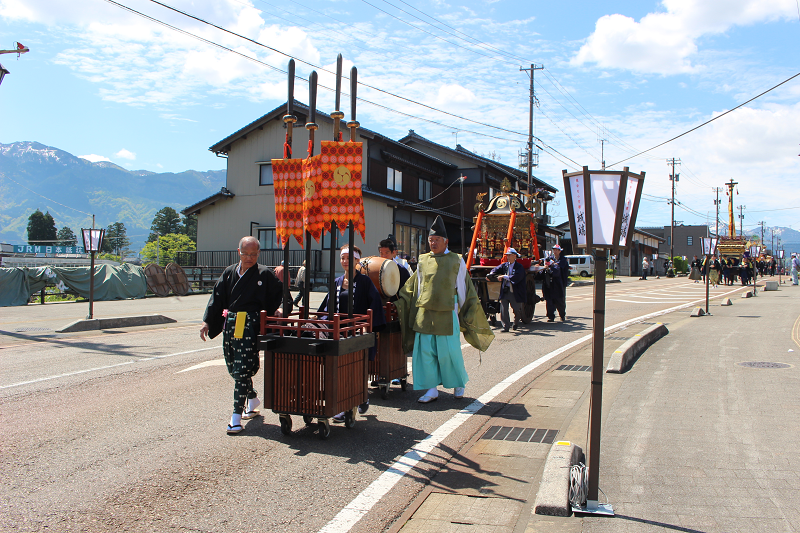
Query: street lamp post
[[709, 249], [602, 208], [780, 269], [755, 251], [92, 242]]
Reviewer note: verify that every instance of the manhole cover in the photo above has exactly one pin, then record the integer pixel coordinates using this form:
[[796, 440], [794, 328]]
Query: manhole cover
[[29, 330], [763, 364]]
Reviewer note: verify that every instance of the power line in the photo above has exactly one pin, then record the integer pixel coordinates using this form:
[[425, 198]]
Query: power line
[[711, 120], [313, 65], [277, 69], [45, 197], [542, 146]]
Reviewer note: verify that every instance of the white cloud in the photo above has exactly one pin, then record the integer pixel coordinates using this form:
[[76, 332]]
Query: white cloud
[[454, 94], [125, 154], [665, 42], [94, 158]]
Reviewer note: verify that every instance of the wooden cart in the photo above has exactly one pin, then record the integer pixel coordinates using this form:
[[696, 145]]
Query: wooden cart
[[390, 362], [315, 368]]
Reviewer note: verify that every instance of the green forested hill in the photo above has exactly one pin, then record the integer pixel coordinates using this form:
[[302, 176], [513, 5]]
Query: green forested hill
[[104, 189]]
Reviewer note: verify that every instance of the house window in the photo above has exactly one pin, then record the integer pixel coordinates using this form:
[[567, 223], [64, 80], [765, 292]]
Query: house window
[[267, 239], [326, 239], [394, 180], [411, 240], [424, 190], [265, 174], [689, 240]]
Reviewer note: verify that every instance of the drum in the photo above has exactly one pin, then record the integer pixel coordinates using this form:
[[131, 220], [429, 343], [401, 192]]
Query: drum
[[384, 273]]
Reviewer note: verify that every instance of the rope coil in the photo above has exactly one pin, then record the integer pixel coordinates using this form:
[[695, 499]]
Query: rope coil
[[578, 485]]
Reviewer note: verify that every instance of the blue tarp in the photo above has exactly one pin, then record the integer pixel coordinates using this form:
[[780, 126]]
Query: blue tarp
[[110, 282]]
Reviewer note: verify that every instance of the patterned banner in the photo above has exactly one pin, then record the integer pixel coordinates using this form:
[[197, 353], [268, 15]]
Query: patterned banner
[[332, 182], [287, 176]]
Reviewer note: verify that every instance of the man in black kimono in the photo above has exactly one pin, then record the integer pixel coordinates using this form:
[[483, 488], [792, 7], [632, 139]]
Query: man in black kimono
[[240, 294], [555, 285]]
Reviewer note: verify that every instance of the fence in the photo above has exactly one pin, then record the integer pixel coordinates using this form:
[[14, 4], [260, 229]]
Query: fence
[[203, 268]]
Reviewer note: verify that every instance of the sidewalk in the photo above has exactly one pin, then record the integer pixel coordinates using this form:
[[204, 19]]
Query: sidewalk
[[34, 321], [692, 440]]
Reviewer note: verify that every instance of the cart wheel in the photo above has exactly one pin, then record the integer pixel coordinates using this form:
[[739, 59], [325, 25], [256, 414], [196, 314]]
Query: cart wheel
[[385, 391], [349, 419], [403, 384], [324, 429], [308, 419], [286, 424]]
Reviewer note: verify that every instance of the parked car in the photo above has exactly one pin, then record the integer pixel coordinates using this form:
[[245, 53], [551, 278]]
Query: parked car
[[581, 265]]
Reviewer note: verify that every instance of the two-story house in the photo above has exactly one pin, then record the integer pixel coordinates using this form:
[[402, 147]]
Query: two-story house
[[406, 184]]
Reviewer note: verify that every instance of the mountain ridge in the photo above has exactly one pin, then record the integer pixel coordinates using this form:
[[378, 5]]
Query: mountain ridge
[[34, 175]]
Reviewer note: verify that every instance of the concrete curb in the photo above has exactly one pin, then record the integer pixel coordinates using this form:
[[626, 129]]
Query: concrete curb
[[726, 301], [118, 322], [552, 499], [747, 294], [623, 357], [770, 285], [698, 311]]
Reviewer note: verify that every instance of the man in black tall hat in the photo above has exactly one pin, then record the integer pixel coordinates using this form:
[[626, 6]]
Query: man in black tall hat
[[435, 303]]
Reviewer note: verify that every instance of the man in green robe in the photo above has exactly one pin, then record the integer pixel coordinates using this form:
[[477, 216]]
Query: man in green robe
[[436, 304]]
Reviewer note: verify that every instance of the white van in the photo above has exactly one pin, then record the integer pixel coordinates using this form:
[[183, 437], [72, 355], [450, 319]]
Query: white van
[[581, 265]]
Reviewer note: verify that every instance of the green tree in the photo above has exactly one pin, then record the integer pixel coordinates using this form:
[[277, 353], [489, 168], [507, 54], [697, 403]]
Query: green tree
[[165, 221], [66, 237], [116, 239], [42, 229], [190, 226], [163, 248]]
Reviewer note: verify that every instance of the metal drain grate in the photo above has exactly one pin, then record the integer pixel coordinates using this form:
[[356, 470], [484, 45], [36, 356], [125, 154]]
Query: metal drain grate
[[617, 338], [575, 368], [763, 364], [31, 329], [544, 436]]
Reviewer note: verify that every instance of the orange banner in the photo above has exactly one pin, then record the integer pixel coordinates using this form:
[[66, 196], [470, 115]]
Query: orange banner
[[332, 187], [287, 178]]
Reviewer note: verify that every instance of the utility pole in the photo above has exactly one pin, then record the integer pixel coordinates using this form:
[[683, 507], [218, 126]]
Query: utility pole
[[602, 139], [762, 233], [673, 178], [741, 220], [533, 69], [717, 190]]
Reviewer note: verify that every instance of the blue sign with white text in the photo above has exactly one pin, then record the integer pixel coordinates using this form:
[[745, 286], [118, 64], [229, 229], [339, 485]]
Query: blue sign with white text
[[47, 250]]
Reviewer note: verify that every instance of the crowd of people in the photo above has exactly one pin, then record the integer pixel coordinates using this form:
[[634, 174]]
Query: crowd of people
[[436, 303], [729, 270]]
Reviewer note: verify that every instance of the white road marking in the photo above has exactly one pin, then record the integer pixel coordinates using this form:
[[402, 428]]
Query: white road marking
[[361, 504], [104, 367], [213, 362]]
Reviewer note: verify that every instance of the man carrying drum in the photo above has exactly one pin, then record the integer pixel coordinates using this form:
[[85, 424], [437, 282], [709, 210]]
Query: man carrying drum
[[387, 250]]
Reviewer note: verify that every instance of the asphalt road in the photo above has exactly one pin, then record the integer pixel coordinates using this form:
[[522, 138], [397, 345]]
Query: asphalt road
[[125, 430]]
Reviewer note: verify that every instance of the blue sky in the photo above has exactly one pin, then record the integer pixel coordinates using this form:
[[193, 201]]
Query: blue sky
[[103, 83]]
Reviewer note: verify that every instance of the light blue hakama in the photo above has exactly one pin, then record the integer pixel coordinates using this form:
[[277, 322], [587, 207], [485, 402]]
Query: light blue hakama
[[437, 360]]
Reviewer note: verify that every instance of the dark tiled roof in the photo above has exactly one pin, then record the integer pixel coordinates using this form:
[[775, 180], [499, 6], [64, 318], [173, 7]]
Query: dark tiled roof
[[461, 151], [194, 208]]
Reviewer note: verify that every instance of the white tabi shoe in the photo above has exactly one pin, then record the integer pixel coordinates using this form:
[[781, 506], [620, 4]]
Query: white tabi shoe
[[431, 396], [252, 409]]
